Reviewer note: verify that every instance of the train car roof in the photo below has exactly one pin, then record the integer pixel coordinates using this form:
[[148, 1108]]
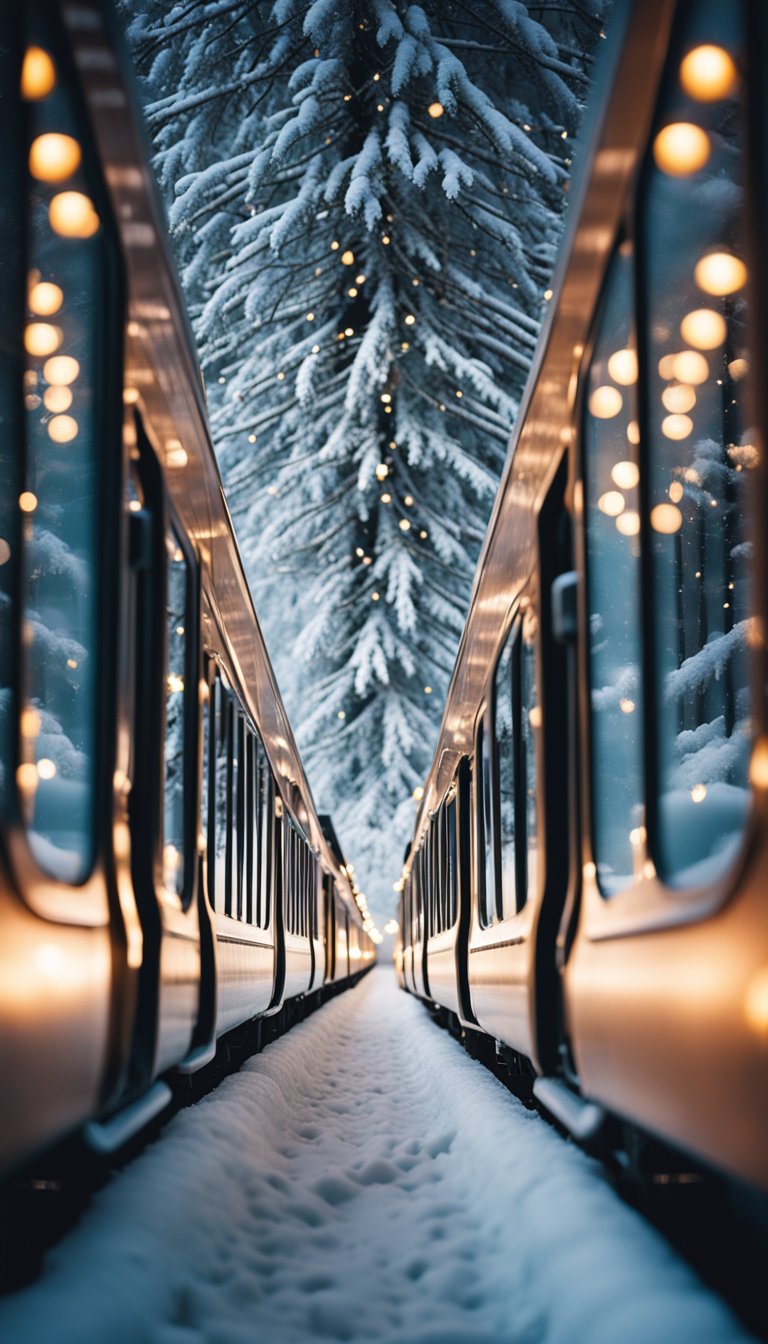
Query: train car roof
[[163, 378]]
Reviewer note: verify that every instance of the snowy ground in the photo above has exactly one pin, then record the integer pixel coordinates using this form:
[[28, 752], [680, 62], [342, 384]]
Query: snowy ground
[[363, 1180]]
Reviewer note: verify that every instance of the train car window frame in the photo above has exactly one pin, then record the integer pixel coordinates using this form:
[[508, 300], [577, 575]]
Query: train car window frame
[[219, 797], [22, 796], [506, 908], [185, 894]]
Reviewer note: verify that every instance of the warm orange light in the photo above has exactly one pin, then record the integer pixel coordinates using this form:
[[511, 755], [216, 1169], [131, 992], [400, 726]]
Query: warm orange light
[[27, 501], [348, 258], [680, 398], [611, 503], [666, 366], [38, 74], [708, 73], [435, 110], [633, 432], [622, 366], [666, 518], [681, 149], [57, 399], [45, 299], [61, 370], [738, 369], [676, 426], [63, 428], [5, 551], [676, 492], [40, 338], [628, 523], [690, 367], [605, 402], [704, 329], [72, 215], [625, 475], [720, 273], [54, 157]]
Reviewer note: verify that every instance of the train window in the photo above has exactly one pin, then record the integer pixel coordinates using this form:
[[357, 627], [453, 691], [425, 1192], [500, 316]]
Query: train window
[[451, 872], [238, 817], [484, 822], [612, 520], [701, 453], [218, 842], [205, 784], [65, 497], [266, 806], [504, 727], [176, 694], [249, 827], [530, 722]]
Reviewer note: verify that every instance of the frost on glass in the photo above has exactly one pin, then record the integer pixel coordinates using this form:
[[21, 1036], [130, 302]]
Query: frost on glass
[[61, 503], [612, 520], [701, 456], [175, 701], [504, 729]]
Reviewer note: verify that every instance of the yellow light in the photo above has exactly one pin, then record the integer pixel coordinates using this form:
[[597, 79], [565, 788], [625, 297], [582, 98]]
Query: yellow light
[[5, 551], [352, 292], [427, 690], [408, 501], [348, 258], [625, 475], [676, 492], [667, 366], [435, 110], [26, 778], [310, 317], [62, 428], [71, 215], [61, 370], [679, 398], [704, 329], [334, 246], [690, 367], [382, 471], [738, 369], [72, 663], [385, 239], [367, 560], [386, 398], [719, 273], [41, 338], [251, 438], [386, 498], [409, 319], [666, 518], [423, 535], [418, 793], [681, 149], [45, 299], [359, 552], [758, 765], [628, 523], [375, 597], [341, 714], [54, 157], [29, 721], [38, 74], [698, 793], [633, 432], [360, 279], [708, 73], [176, 456], [27, 501], [605, 402], [130, 396], [611, 503], [404, 525], [349, 331], [622, 366], [626, 706], [46, 768], [676, 426], [534, 716], [280, 376]]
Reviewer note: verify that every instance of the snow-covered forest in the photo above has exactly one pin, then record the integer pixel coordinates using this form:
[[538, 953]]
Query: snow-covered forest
[[365, 200]]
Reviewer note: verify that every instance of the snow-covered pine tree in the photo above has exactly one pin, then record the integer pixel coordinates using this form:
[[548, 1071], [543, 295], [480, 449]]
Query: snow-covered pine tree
[[366, 205]]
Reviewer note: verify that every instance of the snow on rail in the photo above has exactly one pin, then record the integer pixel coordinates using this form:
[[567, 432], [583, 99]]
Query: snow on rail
[[363, 1179]]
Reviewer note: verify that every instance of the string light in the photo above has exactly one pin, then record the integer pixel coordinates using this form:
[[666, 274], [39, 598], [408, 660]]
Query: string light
[[681, 149], [409, 319], [385, 239], [310, 317], [408, 501], [375, 597], [348, 258], [334, 246], [360, 279], [38, 74], [404, 524], [353, 292], [45, 299], [54, 157], [708, 73], [435, 110], [71, 215]]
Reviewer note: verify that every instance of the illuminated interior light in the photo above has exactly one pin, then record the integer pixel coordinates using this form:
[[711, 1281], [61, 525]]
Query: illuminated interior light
[[690, 367], [625, 474], [54, 157], [758, 764], [41, 338], [176, 457], [45, 299], [666, 518], [704, 329], [628, 523], [38, 74], [30, 721], [626, 706], [46, 768], [130, 396], [681, 149], [435, 110], [676, 492], [622, 366], [633, 432], [71, 215], [676, 426], [611, 503], [698, 793], [27, 501], [62, 428], [678, 398], [605, 402], [719, 273], [708, 73]]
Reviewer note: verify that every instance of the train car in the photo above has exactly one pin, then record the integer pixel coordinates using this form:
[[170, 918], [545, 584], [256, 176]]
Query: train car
[[162, 865], [602, 917]]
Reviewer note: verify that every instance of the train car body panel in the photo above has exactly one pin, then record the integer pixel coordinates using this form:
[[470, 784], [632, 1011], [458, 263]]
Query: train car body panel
[[245, 972]]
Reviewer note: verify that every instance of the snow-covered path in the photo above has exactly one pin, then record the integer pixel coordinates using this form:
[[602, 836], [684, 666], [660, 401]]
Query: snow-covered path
[[363, 1180]]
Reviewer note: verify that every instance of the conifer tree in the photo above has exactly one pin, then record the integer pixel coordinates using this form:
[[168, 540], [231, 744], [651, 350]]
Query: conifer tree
[[366, 204]]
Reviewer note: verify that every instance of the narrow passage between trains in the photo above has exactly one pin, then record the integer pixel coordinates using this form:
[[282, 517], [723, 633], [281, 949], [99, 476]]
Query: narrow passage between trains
[[363, 1179]]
